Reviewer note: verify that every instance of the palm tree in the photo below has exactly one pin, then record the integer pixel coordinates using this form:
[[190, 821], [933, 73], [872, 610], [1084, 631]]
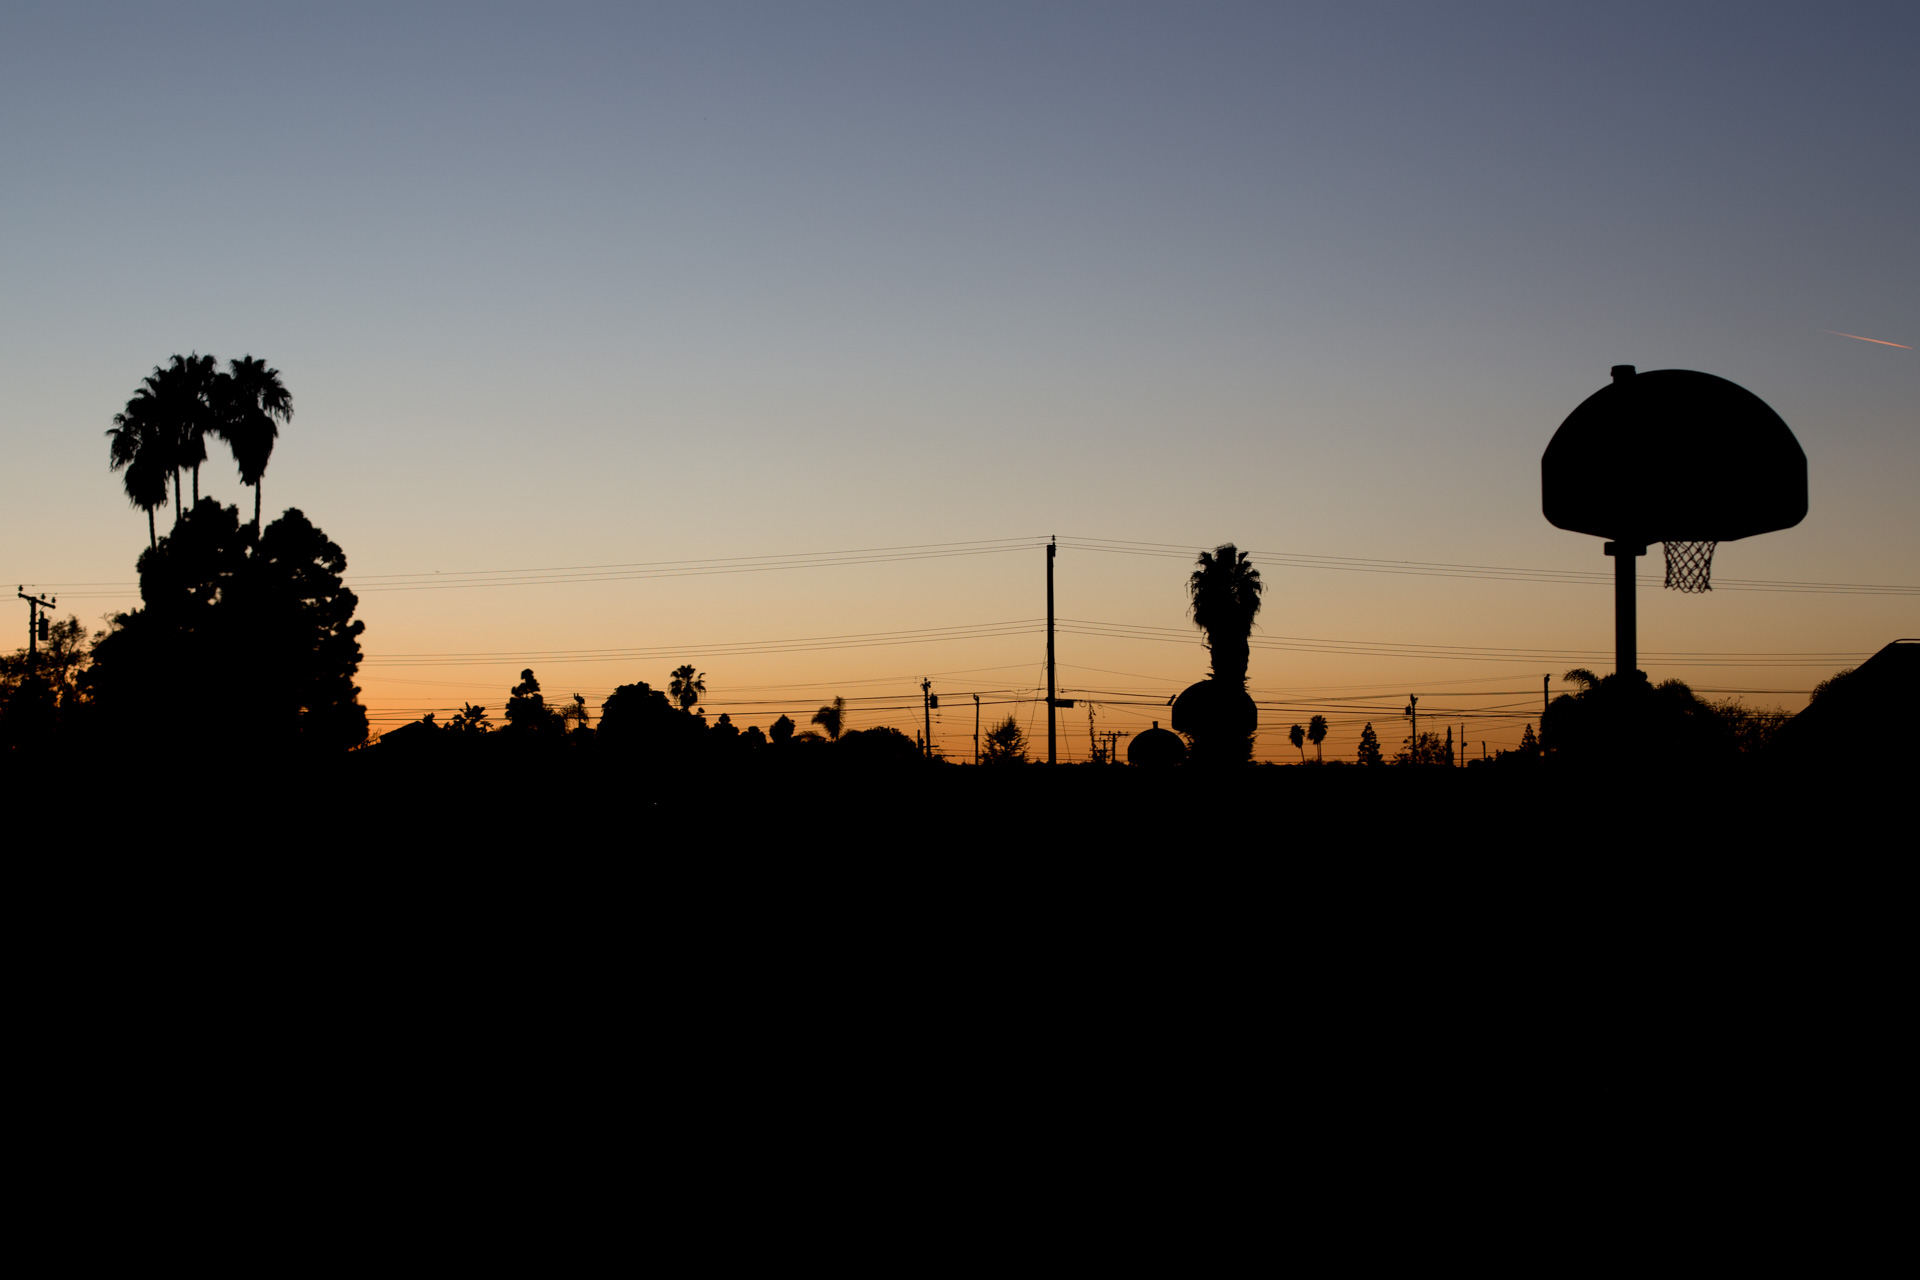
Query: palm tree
[[173, 403], [832, 718], [1298, 737], [1225, 593], [1316, 734], [685, 687], [253, 405], [144, 429], [137, 448], [188, 389]]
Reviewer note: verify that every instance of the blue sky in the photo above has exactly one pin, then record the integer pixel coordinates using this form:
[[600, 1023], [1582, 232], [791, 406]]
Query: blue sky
[[579, 284]]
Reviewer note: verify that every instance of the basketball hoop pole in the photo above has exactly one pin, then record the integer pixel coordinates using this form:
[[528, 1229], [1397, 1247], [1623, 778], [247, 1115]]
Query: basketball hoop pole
[[1626, 644]]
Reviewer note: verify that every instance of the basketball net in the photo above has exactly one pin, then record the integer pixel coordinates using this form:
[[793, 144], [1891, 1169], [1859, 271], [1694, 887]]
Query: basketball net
[[1689, 566]]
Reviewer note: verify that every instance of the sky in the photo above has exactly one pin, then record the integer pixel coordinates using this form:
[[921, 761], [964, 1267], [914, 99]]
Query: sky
[[574, 285]]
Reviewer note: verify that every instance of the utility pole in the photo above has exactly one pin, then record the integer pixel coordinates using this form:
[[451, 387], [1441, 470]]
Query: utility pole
[[927, 703], [976, 728], [1053, 703], [1462, 761], [36, 624], [1544, 680], [1413, 714], [1093, 743]]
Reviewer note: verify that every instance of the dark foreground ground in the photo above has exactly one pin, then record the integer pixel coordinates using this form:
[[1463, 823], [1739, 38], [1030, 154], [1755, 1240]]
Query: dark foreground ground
[[1281, 984]]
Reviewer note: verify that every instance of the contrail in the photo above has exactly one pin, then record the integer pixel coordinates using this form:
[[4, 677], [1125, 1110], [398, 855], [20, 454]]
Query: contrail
[[1836, 333]]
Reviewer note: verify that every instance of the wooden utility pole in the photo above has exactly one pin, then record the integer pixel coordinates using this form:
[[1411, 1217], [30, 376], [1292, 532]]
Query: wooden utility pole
[[36, 624], [976, 728], [927, 703], [1413, 714], [1052, 704]]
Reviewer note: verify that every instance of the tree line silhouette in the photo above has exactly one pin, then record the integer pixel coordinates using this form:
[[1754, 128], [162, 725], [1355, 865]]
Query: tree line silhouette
[[245, 643]]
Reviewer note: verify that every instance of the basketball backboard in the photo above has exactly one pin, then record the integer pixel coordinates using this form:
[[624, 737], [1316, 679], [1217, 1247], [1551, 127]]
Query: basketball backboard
[[1673, 455]]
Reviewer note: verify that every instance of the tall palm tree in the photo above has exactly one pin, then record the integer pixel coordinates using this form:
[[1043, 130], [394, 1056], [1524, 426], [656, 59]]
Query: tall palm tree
[[137, 448], [1316, 734], [174, 405], [1225, 593], [686, 688], [191, 391], [1298, 737], [253, 405], [148, 429]]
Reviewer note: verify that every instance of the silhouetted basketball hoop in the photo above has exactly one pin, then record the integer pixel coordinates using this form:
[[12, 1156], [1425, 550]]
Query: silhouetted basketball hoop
[[1689, 566], [1676, 457]]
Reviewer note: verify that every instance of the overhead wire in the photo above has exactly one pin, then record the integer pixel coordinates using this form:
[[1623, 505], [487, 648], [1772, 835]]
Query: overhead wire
[[438, 580]]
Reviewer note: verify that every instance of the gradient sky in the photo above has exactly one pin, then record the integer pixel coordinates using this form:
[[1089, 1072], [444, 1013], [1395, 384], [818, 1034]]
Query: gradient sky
[[567, 285]]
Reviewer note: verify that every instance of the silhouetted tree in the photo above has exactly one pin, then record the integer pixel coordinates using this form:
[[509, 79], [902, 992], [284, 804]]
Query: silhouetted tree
[[1529, 744], [575, 713], [1004, 744], [173, 404], [469, 720], [62, 656], [39, 692], [1369, 751], [527, 709], [269, 623], [638, 719], [781, 731], [1426, 749], [832, 718], [1317, 734], [1225, 593], [686, 688], [1298, 737], [881, 746], [1753, 728], [200, 415], [1832, 683], [251, 404], [139, 448], [754, 738], [1620, 719]]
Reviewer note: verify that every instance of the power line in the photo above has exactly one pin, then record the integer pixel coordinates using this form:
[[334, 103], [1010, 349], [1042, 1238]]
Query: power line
[[1108, 630], [1506, 573], [646, 569]]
